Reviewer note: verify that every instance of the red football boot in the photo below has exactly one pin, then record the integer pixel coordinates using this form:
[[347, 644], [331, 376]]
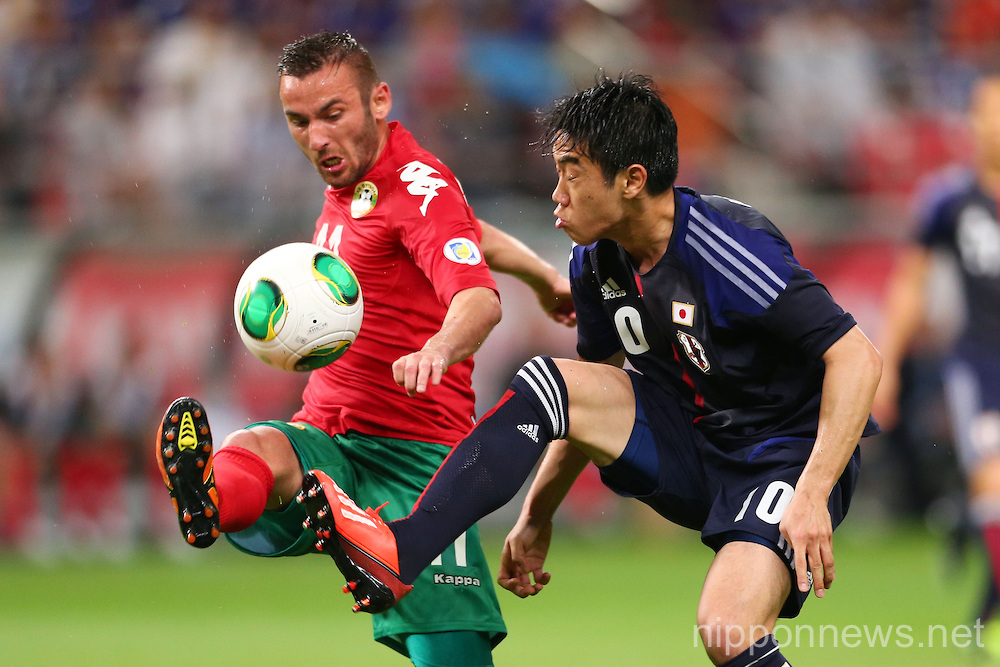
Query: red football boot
[[365, 548], [184, 455]]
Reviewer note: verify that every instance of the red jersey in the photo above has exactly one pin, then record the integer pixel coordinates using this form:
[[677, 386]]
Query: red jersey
[[409, 234]]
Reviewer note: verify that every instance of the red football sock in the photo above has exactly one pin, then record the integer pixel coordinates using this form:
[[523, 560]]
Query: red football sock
[[243, 482]]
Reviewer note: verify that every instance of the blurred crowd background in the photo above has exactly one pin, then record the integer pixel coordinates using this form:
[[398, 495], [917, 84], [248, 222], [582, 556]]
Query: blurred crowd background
[[144, 160]]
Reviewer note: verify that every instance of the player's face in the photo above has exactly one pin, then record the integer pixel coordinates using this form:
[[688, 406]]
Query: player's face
[[986, 121], [341, 132], [587, 208]]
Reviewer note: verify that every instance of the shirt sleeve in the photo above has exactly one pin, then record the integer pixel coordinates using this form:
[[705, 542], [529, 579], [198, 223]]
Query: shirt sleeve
[[438, 229], [752, 278], [806, 315]]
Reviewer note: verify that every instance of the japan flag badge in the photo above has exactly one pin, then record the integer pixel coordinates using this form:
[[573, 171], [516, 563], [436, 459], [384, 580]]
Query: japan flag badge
[[683, 313]]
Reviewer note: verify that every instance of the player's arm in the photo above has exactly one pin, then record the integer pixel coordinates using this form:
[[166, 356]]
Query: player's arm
[[905, 304], [471, 316], [523, 558], [853, 367], [506, 254]]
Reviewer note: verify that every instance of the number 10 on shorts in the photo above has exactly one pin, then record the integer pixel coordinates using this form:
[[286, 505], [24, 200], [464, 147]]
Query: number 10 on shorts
[[772, 503]]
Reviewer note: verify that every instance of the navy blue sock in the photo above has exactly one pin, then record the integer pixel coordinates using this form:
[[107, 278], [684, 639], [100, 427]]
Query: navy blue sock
[[763, 653], [487, 468]]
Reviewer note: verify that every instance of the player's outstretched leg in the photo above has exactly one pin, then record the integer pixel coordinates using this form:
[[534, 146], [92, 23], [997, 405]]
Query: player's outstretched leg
[[184, 455], [371, 571]]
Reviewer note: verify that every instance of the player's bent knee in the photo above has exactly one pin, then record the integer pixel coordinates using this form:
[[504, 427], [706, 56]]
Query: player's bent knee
[[584, 369], [271, 445], [588, 381], [725, 637], [257, 439], [601, 407]]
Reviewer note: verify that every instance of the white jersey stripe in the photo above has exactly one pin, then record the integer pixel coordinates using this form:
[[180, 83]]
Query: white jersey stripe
[[734, 262], [735, 245], [736, 280]]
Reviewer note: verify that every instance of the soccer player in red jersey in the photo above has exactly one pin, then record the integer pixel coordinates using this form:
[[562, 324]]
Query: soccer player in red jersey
[[383, 417]]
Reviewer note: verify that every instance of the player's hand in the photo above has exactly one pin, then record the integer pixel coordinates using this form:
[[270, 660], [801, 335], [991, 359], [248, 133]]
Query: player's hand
[[557, 301], [418, 370], [807, 527], [521, 562]]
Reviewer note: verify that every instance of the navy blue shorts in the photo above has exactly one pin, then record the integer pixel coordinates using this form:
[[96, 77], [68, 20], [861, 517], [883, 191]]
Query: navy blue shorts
[[732, 495], [972, 388]]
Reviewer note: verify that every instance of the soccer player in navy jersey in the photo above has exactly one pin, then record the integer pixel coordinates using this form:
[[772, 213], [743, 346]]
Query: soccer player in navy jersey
[[741, 420], [961, 222]]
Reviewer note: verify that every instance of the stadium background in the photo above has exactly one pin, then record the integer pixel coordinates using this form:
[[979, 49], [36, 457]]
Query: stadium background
[[144, 161]]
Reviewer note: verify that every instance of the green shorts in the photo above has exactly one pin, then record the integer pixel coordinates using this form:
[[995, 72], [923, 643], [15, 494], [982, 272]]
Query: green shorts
[[454, 593]]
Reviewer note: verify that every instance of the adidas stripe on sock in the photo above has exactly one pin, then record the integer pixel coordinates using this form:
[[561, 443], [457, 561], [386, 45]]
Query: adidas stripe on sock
[[544, 379]]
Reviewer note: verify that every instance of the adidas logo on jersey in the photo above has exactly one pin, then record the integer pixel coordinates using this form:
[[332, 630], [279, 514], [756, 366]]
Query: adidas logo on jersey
[[530, 430], [611, 290]]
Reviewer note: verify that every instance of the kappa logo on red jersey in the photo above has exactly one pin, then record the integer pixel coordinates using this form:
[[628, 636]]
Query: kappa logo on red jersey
[[695, 351], [422, 182]]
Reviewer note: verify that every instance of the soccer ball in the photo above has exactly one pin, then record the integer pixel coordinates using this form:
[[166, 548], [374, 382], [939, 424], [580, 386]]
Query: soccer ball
[[298, 307]]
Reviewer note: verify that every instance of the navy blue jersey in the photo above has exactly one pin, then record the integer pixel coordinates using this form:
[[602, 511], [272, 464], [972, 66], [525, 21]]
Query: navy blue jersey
[[961, 220], [727, 318]]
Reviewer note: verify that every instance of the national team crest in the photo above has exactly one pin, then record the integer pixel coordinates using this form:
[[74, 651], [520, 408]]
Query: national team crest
[[683, 313], [365, 198], [695, 351], [462, 251]]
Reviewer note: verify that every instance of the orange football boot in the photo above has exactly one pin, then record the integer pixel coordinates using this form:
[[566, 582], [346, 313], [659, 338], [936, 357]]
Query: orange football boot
[[184, 455], [365, 548]]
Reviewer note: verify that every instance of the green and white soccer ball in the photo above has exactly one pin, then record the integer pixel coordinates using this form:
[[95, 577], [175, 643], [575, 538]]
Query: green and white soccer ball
[[298, 307]]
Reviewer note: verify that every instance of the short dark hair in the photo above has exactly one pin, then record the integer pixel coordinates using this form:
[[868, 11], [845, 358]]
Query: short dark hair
[[311, 54], [617, 123]]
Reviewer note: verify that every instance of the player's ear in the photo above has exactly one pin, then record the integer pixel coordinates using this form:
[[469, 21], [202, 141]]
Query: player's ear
[[381, 101], [634, 180]]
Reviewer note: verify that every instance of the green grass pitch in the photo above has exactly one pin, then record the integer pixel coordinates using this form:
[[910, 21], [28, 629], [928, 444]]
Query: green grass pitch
[[612, 601]]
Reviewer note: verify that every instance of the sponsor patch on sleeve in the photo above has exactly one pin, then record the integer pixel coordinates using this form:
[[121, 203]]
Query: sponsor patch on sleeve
[[463, 251]]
